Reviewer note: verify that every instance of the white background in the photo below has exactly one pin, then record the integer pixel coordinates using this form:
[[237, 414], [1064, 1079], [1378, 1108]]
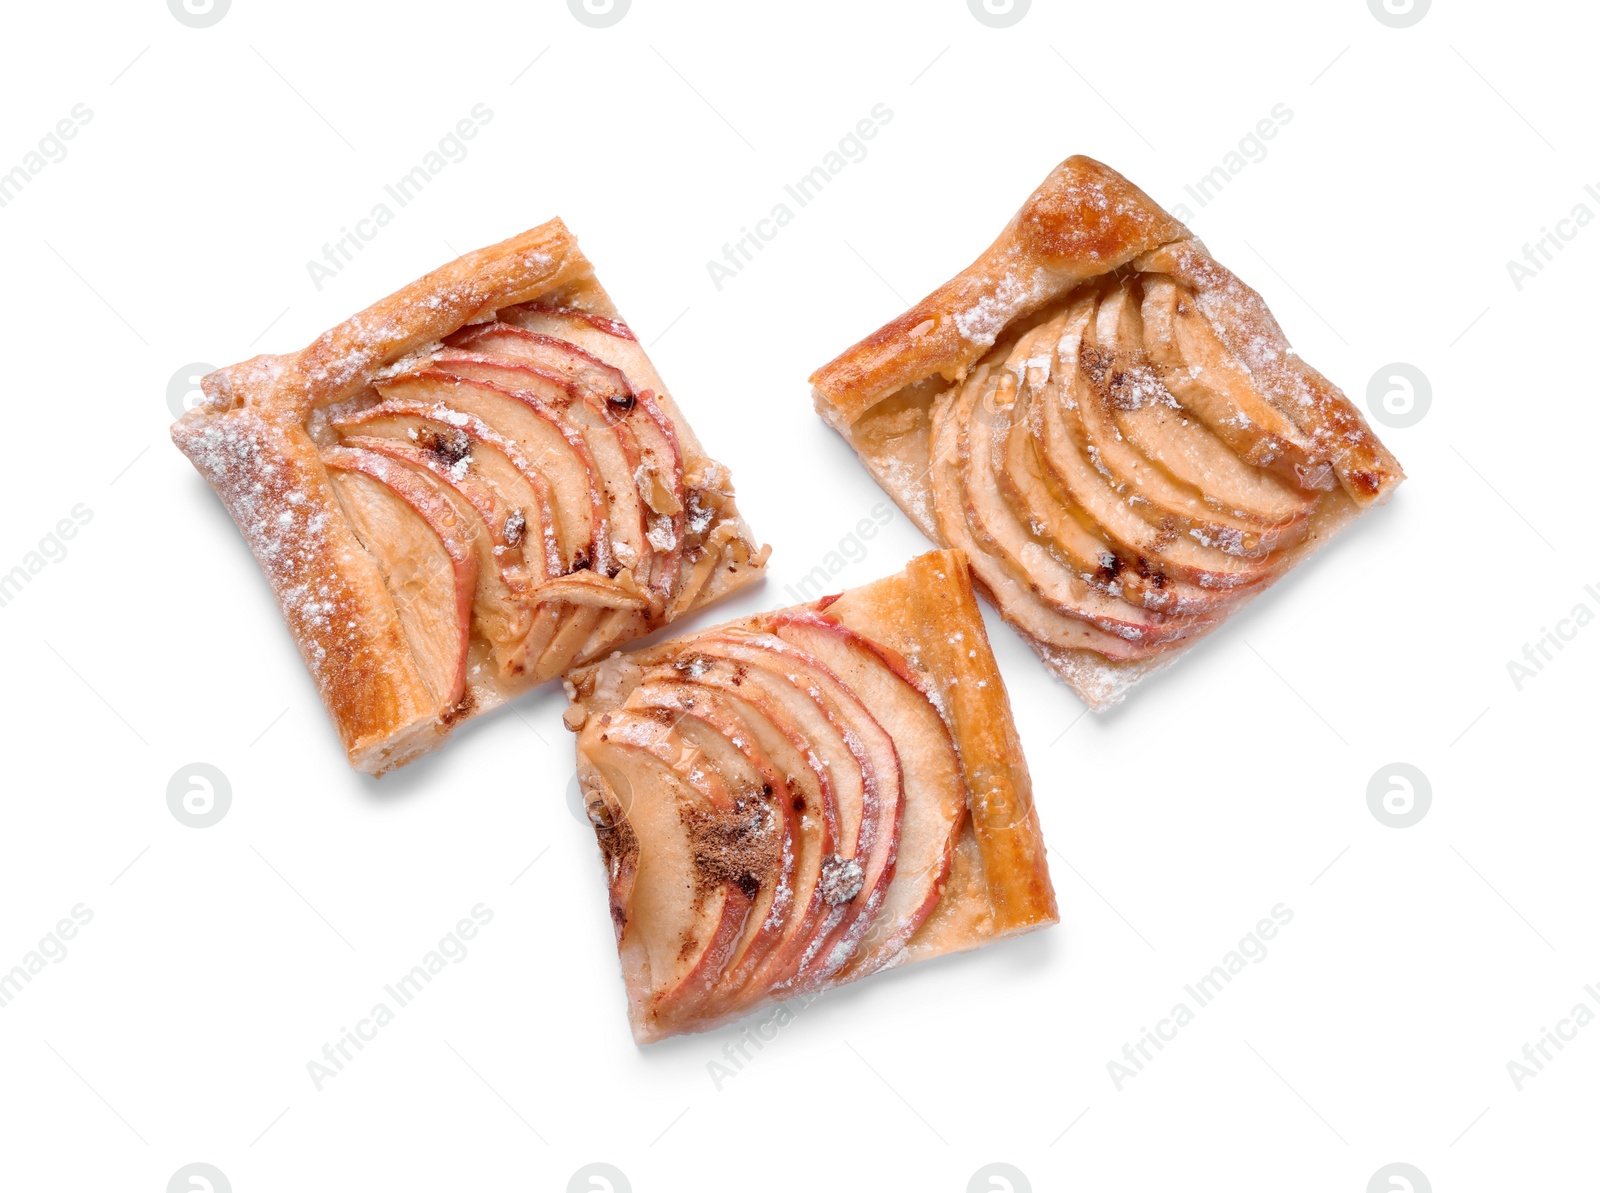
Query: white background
[[219, 961]]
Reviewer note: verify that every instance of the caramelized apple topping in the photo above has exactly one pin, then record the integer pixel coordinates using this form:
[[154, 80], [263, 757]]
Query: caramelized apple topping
[[566, 481], [796, 795], [1118, 478]]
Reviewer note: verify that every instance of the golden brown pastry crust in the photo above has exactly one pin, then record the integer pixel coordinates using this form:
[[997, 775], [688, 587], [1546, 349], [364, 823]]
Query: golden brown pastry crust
[[255, 441], [1084, 221], [1084, 225], [997, 881]]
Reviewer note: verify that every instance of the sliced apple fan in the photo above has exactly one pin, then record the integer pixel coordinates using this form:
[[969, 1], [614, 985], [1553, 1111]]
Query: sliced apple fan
[[799, 799], [1113, 428], [467, 489]]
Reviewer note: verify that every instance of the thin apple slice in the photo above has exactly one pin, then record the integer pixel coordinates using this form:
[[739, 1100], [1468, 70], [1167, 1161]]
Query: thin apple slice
[[995, 525], [1211, 382], [716, 724], [1058, 429], [573, 614], [688, 907], [548, 443], [430, 567], [613, 344], [1157, 496], [936, 794], [703, 559], [559, 638], [557, 356], [650, 441], [802, 780], [860, 762], [1049, 511], [1154, 422], [903, 711], [531, 524], [1012, 595], [550, 617], [500, 610], [616, 627], [611, 442], [578, 622], [563, 322], [619, 847]]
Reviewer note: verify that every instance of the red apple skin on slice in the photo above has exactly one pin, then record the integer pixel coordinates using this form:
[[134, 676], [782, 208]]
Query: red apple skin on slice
[[928, 827], [864, 670], [1129, 397], [692, 870], [500, 610], [503, 466], [440, 518], [1044, 622], [1159, 499], [559, 321], [1179, 443], [1067, 531], [994, 524], [744, 681], [613, 345], [550, 445], [768, 796], [565, 360], [841, 726], [611, 442], [481, 511], [646, 435], [1065, 449]]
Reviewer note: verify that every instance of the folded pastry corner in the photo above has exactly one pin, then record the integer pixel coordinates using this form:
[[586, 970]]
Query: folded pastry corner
[[464, 490], [799, 799], [1111, 425]]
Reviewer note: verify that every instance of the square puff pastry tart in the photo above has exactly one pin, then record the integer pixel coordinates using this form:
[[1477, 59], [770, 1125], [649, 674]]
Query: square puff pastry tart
[[799, 799], [1111, 425], [464, 490]]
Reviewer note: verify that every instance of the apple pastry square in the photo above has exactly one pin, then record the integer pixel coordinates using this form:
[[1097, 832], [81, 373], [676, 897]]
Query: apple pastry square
[[1111, 425], [466, 489], [799, 799]]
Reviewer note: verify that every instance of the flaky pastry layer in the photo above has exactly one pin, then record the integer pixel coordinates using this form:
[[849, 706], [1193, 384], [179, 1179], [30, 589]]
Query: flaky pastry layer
[[465, 489], [1112, 425]]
